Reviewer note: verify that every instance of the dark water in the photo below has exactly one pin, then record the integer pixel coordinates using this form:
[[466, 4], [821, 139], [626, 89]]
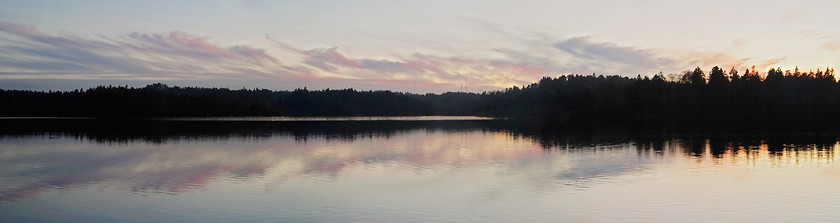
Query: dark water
[[405, 171]]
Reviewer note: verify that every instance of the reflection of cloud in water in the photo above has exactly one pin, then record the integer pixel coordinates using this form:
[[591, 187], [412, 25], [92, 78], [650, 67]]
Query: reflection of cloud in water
[[176, 167], [31, 164]]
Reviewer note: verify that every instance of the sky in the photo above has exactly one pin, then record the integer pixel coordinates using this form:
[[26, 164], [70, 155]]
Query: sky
[[411, 46]]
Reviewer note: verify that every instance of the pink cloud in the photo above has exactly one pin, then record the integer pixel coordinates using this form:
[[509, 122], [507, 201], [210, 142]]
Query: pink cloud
[[771, 62], [181, 55], [195, 42], [17, 28], [332, 56], [183, 44], [166, 55], [439, 72]]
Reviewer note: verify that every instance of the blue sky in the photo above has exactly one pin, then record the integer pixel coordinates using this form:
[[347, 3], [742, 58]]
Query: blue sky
[[415, 46]]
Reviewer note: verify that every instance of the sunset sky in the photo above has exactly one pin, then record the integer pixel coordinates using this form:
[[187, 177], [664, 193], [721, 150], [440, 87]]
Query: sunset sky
[[413, 46]]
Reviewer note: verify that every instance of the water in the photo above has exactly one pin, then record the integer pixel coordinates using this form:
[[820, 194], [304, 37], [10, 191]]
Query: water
[[398, 171], [333, 119]]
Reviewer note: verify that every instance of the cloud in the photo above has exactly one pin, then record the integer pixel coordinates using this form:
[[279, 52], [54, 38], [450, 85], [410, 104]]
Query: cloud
[[522, 59], [179, 55], [332, 56], [771, 62], [167, 55], [828, 42], [606, 52], [832, 45], [430, 70]]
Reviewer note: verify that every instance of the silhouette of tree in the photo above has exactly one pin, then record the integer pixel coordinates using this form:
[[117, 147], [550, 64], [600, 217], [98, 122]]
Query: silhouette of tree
[[782, 99], [733, 77], [717, 79]]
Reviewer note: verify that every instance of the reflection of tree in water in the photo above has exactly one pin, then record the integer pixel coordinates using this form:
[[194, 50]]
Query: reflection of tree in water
[[159, 131], [186, 167], [777, 146], [699, 144]]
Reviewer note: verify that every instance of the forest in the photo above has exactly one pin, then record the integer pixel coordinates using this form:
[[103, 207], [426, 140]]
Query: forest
[[789, 97], [160, 100], [694, 96]]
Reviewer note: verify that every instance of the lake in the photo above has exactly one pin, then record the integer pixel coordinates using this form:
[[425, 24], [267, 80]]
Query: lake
[[403, 170]]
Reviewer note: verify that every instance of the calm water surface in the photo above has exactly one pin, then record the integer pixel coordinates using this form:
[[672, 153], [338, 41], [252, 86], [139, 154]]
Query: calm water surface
[[396, 171]]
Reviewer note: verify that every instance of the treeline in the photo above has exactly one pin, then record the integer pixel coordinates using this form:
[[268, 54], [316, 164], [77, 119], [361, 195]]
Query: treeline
[[159, 100], [782, 98], [695, 96]]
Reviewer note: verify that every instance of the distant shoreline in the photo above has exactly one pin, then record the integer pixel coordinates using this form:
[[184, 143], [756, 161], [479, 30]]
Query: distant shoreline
[[781, 99], [274, 118]]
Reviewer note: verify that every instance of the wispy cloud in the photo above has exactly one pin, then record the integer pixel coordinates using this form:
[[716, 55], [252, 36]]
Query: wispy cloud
[[771, 62], [828, 42], [175, 54], [33, 54], [435, 71], [606, 52], [832, 45]]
